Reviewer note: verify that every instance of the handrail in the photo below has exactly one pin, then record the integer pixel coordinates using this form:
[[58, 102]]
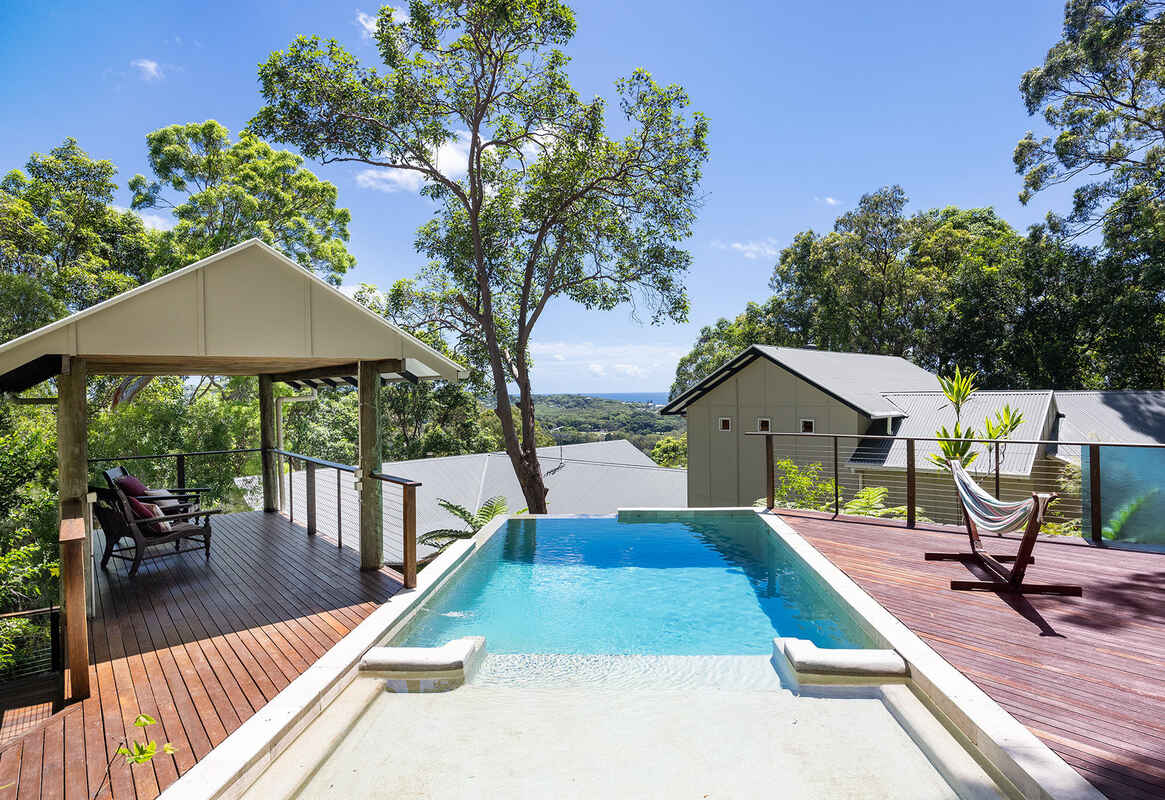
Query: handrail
[[177, 455], [954, 439], [318, 461], [394, 479], [32, 612]]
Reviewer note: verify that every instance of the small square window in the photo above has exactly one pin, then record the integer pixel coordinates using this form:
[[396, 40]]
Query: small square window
[[725, 423], [764, 424], [807, 426]]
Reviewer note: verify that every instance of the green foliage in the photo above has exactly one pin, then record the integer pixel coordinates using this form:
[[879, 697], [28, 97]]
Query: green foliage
[[870, 501], [1116, 523], [957, 444], [63, 245], [802, 486], [232, 191], [1006, 421], [958, 389], [474, 521], [671, 451], [545, 205], [574, 419], [136, 752]]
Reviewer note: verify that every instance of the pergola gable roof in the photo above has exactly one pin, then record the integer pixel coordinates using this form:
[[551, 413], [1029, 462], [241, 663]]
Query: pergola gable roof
[[246, 310]]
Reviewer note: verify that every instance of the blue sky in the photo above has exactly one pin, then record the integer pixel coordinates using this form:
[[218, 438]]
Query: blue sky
[[811, 105]]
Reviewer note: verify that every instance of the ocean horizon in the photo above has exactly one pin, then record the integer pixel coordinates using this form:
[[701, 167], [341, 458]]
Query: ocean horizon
[[656, 398]]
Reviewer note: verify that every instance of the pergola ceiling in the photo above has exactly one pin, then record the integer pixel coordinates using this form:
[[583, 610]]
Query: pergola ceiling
[[245, 311]]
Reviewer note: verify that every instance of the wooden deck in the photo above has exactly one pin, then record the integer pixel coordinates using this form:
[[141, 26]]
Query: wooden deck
[[200, 646], [1086, 675]]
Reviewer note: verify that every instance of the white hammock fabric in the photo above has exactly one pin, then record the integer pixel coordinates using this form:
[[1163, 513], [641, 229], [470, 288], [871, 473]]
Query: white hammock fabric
[[988, 513]]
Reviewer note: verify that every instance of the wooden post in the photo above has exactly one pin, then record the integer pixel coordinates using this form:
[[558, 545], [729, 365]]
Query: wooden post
[[267, 442], [770, 475], [73, 482], [1097, 519], [409, 501], [311, 498], [910, 485], [371, 492], [72, 542]]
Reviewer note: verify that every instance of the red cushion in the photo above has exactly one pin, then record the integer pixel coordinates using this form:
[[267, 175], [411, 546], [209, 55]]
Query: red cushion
[[142, 511], [131, 485]]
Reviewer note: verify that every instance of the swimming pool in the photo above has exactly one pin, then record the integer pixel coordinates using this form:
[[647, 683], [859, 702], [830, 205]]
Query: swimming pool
[[648, 584]]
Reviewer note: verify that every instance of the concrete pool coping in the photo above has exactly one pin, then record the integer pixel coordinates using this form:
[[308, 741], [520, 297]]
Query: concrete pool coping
[[1029, 768]]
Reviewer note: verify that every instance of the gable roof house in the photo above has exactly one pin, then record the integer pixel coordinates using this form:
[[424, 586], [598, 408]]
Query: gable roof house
[[862, 397]]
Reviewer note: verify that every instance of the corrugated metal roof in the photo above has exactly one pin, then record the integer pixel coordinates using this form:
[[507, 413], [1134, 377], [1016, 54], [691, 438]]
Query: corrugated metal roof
[[857, 379], [1134, 417], [926, 412]]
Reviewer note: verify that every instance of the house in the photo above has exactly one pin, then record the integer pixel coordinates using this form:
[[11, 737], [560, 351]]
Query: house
[[860, 397]]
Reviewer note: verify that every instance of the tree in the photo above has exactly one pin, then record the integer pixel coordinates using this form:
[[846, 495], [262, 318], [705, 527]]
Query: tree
[[540, 203], [228, 192], [63, 245], [671, 451], [1101, 88]]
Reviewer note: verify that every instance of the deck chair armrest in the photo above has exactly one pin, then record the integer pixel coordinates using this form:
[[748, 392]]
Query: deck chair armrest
[[189, 489], [182, 516], [150, 498]]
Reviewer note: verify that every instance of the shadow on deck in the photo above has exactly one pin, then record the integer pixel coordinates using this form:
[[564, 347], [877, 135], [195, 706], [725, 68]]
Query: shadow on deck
[[200, 645], [1083, 674]]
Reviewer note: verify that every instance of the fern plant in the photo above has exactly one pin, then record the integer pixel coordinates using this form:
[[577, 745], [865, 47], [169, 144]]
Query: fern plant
[[474, 521]]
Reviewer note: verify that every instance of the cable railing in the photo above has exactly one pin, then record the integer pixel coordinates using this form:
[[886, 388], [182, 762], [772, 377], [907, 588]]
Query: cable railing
[[1106, 491], [332, 506], [33, 639]]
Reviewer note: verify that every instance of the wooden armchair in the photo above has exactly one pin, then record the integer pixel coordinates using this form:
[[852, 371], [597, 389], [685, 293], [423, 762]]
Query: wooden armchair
[[186, 498], [118, 522]]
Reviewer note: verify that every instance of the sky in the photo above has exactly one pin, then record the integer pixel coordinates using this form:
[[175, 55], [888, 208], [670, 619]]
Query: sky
[[811, 105]]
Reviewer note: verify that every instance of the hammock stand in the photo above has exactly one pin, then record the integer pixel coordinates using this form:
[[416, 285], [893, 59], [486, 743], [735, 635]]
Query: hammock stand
[[987, 513]]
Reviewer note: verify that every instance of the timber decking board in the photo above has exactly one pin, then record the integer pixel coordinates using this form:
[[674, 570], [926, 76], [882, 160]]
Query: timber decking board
[[200, 646], [1086, 675]]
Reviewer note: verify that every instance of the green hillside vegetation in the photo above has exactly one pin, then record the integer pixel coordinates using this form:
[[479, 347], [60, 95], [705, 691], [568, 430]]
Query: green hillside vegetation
[[575, 418]]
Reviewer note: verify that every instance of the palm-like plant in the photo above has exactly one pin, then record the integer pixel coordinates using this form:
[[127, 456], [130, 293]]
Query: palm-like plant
[[474, 521], [958, 443], [958, 388]]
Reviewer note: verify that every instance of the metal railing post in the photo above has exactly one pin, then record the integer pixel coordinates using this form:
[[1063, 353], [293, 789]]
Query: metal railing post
[[55, 640], [339, 515], [311, 498], [997, 454], [911, 488], [180, 471], [770, 474], [1097, 519], [290, 487], [836, 482]]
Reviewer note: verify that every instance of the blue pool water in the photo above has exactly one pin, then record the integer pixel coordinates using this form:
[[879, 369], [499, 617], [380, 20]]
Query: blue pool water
[[646, 584]]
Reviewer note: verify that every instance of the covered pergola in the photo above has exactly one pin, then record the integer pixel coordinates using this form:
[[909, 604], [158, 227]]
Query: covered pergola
[[248, 310]]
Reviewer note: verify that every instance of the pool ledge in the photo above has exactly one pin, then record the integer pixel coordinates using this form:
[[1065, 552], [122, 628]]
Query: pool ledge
[[235, 763], [1026, 766], [425, 669], [810, 664]]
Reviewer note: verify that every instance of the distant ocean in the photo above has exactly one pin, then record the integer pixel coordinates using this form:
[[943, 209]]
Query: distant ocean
[[658, 398]]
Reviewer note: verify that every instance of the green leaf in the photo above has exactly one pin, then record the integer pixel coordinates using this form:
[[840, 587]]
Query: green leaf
[[143, 720]]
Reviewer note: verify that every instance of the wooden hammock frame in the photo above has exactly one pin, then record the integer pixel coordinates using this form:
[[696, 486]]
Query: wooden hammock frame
[[1004, 579]]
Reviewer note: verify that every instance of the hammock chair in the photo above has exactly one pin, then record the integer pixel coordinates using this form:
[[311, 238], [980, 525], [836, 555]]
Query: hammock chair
[[983, 512]]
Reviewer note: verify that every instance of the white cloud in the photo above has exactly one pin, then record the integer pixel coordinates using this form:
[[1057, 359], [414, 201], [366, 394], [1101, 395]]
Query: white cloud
[[148, 69], [452, 159], [766, 248], [829, 201], [367, 22], [570, 366], [156, 222]]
